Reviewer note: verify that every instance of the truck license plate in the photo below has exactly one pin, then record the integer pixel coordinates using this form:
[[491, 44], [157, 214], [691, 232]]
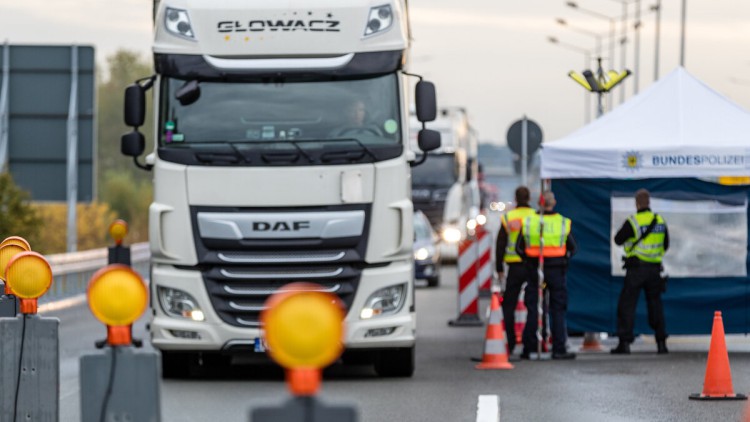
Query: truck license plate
[[260, 345]]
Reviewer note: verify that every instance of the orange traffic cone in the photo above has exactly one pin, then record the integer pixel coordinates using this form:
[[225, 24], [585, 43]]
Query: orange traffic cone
[[495, 347], [718, 382], [591, 343]]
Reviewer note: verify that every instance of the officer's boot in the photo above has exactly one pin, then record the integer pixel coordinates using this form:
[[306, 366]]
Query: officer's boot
[[623, 348], [661, 347]]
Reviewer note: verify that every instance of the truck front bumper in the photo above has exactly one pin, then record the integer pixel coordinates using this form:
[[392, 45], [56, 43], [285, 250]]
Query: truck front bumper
[[212, 334]]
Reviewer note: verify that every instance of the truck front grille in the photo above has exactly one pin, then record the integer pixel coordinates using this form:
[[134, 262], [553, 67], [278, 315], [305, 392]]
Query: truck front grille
[[242, 265], [238, 294]]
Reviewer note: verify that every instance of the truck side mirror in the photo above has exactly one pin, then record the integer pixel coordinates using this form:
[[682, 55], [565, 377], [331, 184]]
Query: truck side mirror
[[426, 101], [188, 93], [135, 105], [132, 144], [428, 140]]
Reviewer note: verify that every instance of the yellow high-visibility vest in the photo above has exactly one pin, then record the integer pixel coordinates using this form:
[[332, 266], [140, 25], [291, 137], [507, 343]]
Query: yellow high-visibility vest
[[513, 222], [556, 231], [651, 248]]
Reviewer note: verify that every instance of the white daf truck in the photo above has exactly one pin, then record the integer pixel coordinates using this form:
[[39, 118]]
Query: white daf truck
[[281, 155]]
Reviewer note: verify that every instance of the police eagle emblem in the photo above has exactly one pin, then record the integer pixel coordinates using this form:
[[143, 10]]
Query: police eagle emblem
[[632, 160]]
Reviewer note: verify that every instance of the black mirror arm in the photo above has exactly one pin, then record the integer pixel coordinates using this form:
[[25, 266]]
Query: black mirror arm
[[146, 167], [421, 78], [420, 161], [147, 82]]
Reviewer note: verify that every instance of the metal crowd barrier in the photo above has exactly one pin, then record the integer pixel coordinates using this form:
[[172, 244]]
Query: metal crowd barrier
[[72, 271]]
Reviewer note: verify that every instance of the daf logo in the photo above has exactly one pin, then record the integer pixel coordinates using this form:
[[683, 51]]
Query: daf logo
[[280, 226], [313, 25]]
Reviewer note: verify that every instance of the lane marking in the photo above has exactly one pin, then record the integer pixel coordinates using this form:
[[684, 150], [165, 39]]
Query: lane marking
[[63, 304], [488, 408]]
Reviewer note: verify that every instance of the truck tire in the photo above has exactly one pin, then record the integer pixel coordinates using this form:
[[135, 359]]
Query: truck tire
[[175, 364], [395, 363], [433, 281]]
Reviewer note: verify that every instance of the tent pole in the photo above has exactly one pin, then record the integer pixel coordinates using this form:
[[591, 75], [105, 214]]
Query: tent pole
[[540, 283]]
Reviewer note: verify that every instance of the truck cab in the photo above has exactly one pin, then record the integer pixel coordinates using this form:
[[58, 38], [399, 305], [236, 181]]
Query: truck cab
[[280, 157]]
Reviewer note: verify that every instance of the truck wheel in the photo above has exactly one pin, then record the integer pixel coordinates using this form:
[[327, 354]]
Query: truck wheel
[[175, 364], [433, 282], [395, 363]]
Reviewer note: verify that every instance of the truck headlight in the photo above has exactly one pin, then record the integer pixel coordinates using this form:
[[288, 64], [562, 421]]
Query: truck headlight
[[180, 304], [423, 253], [471, 225], [451, 234], [177, 22], [481, 219], [385, 301], [380, 19]]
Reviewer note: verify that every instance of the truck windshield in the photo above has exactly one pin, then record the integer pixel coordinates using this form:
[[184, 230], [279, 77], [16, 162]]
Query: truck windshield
[[438, 170], [365, 111]]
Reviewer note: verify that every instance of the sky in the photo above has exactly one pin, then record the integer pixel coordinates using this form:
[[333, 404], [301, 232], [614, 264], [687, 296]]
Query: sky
[[492, 57]]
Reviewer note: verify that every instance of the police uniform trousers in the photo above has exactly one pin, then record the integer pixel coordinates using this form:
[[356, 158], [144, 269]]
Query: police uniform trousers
[[513, 283], [555, 279], [645, 276]]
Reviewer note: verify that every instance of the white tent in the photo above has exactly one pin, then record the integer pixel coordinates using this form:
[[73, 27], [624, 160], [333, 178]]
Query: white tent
[[667, 140], [678, 127]]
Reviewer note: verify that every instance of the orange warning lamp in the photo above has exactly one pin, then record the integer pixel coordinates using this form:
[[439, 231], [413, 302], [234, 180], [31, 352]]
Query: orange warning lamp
[[117, 297], [7, 253], [16, 240], [29, 276], [118, 230], [304, 329]]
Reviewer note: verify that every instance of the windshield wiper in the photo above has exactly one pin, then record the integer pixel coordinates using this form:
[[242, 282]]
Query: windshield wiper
[[310, 159], [331, 156], [368, 150], [215, 152]]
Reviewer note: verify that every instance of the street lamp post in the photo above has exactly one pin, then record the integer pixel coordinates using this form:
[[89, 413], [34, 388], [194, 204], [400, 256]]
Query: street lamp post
[[597, 36], [611, 20], [623, 41], [637, 47], [682, 33], [586, 62], [657, 8]]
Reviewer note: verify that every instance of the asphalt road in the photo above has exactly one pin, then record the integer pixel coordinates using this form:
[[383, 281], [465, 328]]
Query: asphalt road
[[595, 387]]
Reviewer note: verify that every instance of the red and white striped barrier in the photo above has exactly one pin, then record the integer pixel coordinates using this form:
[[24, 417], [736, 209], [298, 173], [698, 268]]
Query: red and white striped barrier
[[520, 313], [468, 285], [484, 244]]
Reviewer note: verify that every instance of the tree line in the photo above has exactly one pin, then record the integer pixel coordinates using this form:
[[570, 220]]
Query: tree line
[[123, 191]]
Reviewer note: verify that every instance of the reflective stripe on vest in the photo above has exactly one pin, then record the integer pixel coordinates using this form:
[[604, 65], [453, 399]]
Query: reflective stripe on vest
[[651, 248], [513, 222], [556, 231]]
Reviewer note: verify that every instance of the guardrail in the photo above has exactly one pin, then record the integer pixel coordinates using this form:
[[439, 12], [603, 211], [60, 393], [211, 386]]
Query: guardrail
[[72, 271]]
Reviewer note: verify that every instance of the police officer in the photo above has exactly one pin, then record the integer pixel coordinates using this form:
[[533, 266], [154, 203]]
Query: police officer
[[645, 238], [505, 254], [559, 245]]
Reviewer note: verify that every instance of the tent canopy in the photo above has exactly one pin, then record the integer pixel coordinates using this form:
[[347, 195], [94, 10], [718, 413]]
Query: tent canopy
[[678, 127], [665, 140]]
